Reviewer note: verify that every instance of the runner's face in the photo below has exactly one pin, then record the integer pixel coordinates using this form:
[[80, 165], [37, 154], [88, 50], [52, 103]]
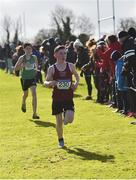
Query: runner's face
[[28, 50], [61, 54]]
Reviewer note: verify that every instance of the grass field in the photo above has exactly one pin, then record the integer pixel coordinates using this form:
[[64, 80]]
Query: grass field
[[100, 143]]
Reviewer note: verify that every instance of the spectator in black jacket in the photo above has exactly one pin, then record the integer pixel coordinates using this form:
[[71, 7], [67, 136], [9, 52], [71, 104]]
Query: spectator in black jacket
[[129, 68], [49, 46], [87, 71], [85, 64], [71, 54], [82, 54]]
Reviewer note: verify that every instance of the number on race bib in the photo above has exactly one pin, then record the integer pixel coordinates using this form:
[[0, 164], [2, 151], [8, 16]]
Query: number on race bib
[[63, 84]]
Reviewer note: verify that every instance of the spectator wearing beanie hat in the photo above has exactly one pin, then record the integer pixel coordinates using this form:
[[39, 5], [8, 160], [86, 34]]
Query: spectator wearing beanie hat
[[77, 44], [85, 64], [82, 54]]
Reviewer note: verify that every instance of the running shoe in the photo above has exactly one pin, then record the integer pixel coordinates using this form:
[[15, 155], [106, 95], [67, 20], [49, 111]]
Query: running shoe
[[35, 117], [88, 98], [133, 122], [61, 143], [23, 108]]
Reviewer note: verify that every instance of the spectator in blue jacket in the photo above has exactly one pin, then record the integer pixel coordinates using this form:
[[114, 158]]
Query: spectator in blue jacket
[[121, 83]]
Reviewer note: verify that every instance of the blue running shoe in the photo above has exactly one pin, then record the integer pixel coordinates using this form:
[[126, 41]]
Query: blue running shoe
[[61, 143]]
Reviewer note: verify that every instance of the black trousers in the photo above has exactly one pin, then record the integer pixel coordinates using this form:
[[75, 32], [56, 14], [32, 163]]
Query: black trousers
[[113, 93], [132, 100], [89, 84], [39, 78], [122, 100], [99, 81]]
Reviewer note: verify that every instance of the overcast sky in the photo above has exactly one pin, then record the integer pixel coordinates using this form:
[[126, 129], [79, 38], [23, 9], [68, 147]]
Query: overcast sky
[[37, 13]]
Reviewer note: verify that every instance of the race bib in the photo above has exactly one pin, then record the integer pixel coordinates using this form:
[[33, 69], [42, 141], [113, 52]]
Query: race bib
[[29, 66], [63, 84]]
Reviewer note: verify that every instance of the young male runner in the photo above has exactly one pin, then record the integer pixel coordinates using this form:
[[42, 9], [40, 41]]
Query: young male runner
[[28, 64], [59, 77]]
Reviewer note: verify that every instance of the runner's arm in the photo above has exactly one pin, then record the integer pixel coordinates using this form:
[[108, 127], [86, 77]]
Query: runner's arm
[[73, 70], [49, 82], [19, 65], [36, 63]]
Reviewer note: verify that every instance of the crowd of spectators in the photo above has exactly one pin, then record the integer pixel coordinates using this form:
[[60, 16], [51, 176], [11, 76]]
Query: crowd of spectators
[[110, 62]]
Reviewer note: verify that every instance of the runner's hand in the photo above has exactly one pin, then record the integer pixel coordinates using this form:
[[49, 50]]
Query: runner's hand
[[74, 86], [53, 83], [22, 65]]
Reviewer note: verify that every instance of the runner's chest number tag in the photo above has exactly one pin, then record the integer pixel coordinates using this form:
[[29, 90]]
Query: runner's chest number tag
[[63, 84]]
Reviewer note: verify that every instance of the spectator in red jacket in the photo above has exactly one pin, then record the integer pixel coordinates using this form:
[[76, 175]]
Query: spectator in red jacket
[[113, 45], [100, 76]]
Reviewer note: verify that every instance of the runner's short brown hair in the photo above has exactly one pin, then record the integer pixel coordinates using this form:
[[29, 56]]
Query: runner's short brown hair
[[27, 44], [59, 48]]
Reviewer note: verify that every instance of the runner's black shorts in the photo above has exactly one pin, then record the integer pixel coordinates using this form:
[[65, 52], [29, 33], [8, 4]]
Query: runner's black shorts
[[27, 83], [61, 106]]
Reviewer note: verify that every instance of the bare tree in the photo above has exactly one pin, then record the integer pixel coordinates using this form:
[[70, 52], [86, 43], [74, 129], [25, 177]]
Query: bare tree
[[59, 29], [7, 22], [84, 25], [66, 28], [18, 31], [125, 24], [63, 19], [60, 13]]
